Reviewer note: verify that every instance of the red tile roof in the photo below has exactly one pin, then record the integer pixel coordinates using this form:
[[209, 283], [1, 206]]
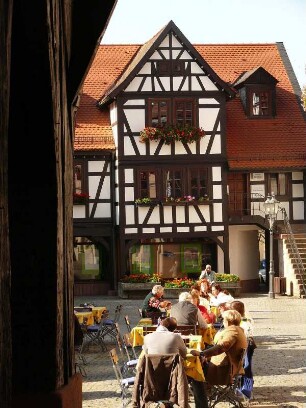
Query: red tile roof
[[251, 144]]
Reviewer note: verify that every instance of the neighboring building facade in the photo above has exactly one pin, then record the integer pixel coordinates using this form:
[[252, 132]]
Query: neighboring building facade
[[156, 206]]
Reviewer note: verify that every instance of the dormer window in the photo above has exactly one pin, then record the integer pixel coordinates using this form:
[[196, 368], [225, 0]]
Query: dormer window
[[257, 93], [260, 102]]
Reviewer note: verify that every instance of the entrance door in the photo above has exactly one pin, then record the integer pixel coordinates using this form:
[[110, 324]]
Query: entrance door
[[237, 200]]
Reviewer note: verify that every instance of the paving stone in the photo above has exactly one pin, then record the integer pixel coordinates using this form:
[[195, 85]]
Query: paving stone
[[279, 361]]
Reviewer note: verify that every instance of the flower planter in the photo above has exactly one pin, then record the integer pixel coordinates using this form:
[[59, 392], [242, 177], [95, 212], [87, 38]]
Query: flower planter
[[135, 290]]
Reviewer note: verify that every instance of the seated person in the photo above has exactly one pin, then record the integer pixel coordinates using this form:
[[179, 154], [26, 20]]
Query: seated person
[[164, 341], [154, 305], [208, 274], [226, 354], [208, 316], [204, 292], [187, 313], [247, 323], [218, 296]]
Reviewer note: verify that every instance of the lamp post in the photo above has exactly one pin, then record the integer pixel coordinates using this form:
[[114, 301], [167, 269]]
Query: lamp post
[[271, 207]]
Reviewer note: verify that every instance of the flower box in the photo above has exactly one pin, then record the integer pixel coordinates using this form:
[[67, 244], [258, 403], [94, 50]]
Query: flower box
[[172, 133], [80, 198]]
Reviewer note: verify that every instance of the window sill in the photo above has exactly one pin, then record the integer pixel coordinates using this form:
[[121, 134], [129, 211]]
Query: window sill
[[152, 204]]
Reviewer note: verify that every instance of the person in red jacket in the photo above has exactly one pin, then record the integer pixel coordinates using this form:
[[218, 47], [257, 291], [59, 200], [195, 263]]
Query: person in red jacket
[[208, 316]]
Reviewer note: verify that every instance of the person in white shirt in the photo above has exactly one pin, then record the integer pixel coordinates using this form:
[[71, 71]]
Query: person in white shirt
[[218, 296]]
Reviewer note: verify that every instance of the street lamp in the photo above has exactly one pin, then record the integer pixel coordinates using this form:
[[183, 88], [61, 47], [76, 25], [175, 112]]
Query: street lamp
[[271, 207]]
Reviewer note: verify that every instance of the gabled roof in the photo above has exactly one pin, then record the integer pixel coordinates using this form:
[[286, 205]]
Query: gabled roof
[[251, 144], [256, 75], [146, 50]]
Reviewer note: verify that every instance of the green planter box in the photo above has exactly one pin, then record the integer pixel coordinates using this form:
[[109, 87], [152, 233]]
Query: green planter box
[[174, 293]]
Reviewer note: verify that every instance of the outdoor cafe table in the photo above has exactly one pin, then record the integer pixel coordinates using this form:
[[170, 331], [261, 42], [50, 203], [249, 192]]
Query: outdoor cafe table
[[97, 312], [136, 335], [85, 318], [90, 318]]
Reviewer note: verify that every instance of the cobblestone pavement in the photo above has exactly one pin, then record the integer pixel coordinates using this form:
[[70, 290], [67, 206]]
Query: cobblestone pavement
[[279, 362]]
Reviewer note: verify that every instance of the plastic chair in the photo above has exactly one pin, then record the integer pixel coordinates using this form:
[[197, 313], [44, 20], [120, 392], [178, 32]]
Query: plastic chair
[[124, 382]]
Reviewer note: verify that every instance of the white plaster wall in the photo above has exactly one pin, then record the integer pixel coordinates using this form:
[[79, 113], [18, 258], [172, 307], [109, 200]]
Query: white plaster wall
[[129, 215], [79, 211], [218, 216], [105, 190], [96, 165], [128, 176], [207, 118], [298, 210], [297, 190], [216, 173], [103, 210], [297, 175], [244, 251], [217, 192], [129, 194], [135, 118]]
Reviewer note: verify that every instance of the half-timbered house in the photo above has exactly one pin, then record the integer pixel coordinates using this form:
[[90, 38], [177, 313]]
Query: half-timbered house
[[177, 146]]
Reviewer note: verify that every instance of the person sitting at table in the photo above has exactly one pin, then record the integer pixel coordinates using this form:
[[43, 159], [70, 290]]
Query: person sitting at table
[[208, 316], [247, 323], [187, 313], [208, 274], [204, 288], [218, 295], [225, 356], [164, 341], [154, 305]]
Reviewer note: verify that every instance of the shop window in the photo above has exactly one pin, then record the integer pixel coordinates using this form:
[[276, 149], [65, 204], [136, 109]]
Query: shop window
[[278, 184], [86, 259]]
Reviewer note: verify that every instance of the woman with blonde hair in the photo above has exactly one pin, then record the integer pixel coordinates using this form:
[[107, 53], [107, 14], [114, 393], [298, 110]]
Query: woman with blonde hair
[[227, 354]]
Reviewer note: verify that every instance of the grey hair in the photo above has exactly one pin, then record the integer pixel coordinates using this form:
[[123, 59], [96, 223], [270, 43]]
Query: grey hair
[[232, 317], [157, 289], [185, 296]]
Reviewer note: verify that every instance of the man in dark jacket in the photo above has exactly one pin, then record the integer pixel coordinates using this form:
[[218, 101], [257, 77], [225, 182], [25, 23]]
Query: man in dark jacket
[[186, 312]]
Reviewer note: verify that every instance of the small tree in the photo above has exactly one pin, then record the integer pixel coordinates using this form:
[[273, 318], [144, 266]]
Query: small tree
[[304, 97]]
